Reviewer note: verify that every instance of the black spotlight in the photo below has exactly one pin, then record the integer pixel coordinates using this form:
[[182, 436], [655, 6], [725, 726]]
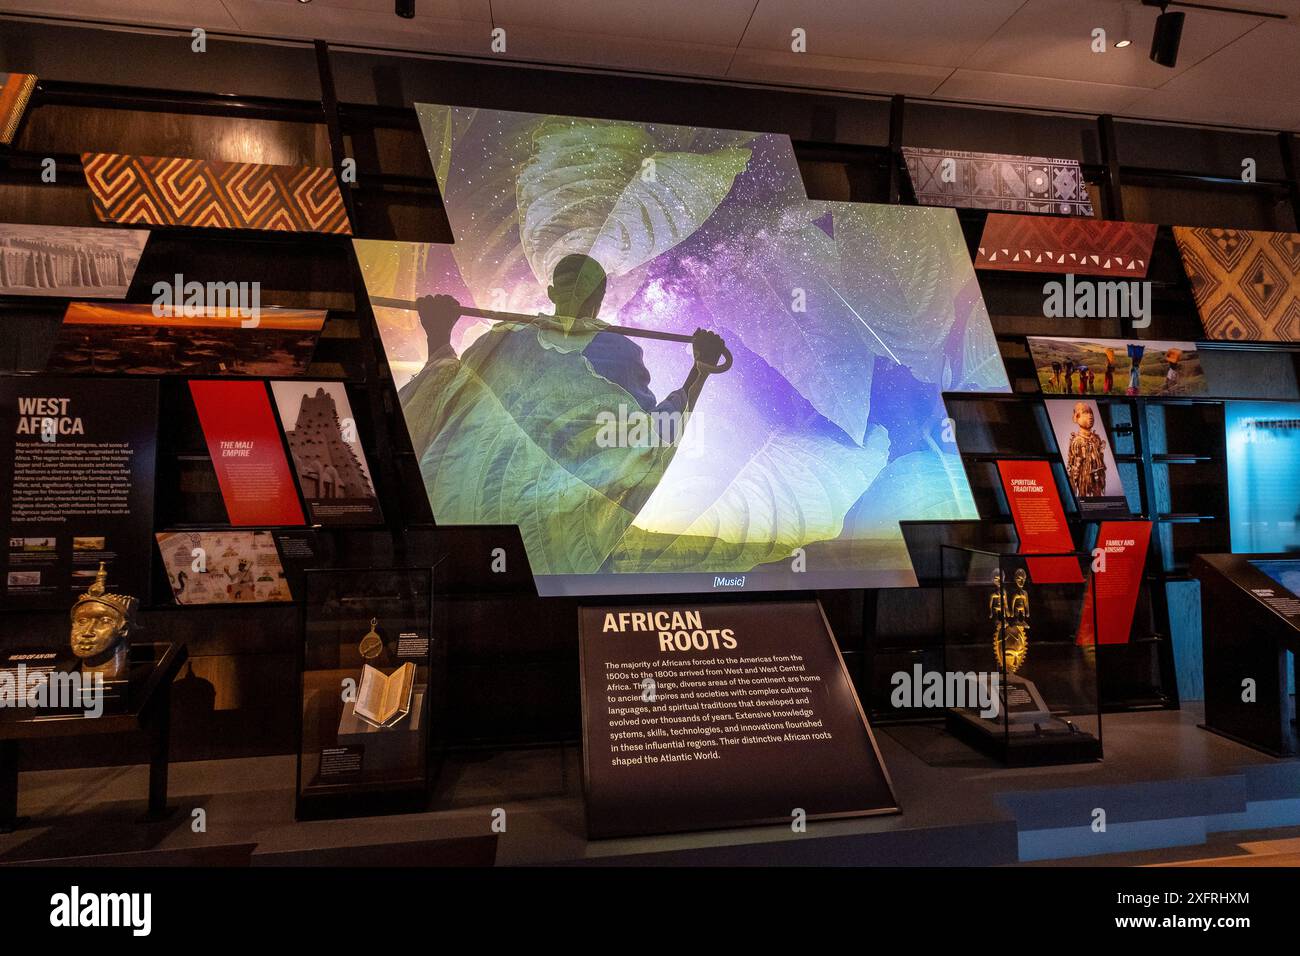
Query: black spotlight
[[406, 9], [1169, 33]]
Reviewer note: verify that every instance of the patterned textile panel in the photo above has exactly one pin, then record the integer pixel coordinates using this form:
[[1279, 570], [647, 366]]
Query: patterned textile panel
[[1246, 284], [948, 177], [165, 191], [1050, 244], [15, 91]]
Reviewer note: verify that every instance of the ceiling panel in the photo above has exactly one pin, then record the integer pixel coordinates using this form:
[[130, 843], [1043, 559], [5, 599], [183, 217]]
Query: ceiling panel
[[343, 25], [1287, 7], [695, 22], [925, 32], [1054, 38], [1016, 90], [624, 53], [478, 10], [1262, 65], [209, 14], [836, 73], [1238, 70], [1226, 110]]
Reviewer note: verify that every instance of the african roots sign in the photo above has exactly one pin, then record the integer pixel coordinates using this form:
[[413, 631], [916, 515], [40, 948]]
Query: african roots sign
[[722, 715]]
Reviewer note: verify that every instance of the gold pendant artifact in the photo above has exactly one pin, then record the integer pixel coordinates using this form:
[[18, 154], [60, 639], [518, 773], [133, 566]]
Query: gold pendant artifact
[[372, 644]]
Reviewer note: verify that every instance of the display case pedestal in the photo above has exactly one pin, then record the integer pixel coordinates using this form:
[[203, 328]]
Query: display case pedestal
[[1012, 635], [140, 703]]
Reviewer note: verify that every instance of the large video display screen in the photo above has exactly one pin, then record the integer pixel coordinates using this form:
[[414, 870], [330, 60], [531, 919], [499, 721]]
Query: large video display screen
[[1263, 461], [776, 449]]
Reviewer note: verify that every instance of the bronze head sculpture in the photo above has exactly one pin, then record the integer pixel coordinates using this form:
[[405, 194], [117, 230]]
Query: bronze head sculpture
[[101, 623]]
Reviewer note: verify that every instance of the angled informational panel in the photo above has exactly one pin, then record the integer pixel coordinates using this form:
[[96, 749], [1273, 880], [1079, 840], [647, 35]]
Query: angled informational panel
[[15, 91], [223, 567], [1089, 460], [77, 460], [1118, 581], [721, 715], [70, 261], [954, 177], [331, 465], [247, 452], [138, 339], [777, 449], [1246, 284], [1069, 366], [1057, 244], [1040, 520], [169, 191]]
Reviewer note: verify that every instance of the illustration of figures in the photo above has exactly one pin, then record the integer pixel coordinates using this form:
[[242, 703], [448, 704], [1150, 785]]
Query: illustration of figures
[[1172, 359], [1069, 376], [1056, 376], [1135, 370], [1083, 379], [1109, 381], [1086, 462], [242, 583]]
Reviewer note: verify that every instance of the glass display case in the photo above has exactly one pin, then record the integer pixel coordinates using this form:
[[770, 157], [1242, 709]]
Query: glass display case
[[1020, 663], [368, 672]]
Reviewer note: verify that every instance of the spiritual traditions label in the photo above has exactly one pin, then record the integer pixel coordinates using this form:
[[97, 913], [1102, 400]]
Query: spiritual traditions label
[[1040, 520], [698, 717]]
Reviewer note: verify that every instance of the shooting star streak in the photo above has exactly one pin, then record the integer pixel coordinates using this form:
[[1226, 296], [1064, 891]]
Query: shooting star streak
[[864, 323]]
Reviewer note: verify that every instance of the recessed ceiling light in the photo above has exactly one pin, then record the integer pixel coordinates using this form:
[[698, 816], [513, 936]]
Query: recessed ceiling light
[[304, 1], [1119, 45]]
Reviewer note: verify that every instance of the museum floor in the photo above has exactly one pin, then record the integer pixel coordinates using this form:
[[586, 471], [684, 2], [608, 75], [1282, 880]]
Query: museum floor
[[1171, 793]]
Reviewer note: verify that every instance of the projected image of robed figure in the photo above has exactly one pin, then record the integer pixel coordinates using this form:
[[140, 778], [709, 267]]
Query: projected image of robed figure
[[783, 459], [577, 289], [606, 476]]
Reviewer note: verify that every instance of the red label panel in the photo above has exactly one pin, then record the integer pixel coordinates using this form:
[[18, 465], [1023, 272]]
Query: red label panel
[[1040, 520], [1124, 544], [247, 453]]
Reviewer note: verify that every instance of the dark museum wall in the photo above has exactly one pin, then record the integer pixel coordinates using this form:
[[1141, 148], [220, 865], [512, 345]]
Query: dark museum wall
[[513, 675]]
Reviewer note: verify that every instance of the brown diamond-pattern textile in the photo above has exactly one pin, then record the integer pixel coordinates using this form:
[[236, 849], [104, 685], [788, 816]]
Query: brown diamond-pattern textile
[[1246, 283], [997, 181], [168, 191], [1057, 244]]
